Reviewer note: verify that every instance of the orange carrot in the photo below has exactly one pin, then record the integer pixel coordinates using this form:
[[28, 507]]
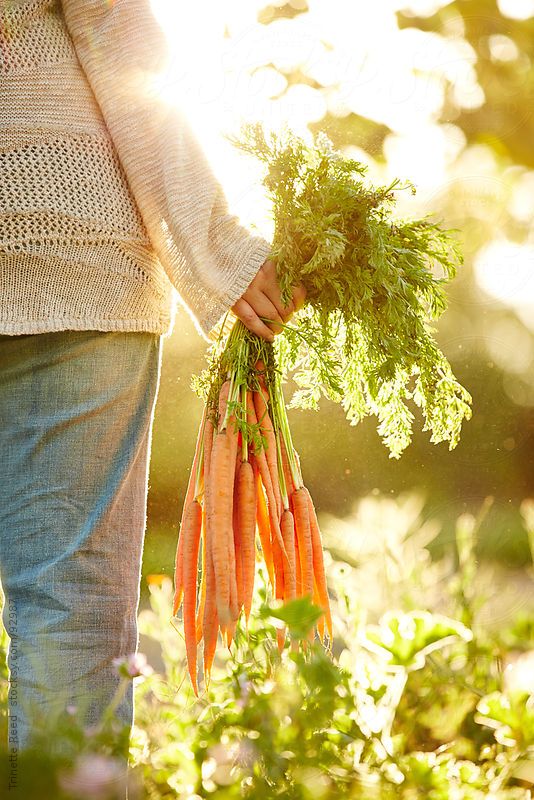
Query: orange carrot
[[274, 519], [210, 621], [230, 430], [230, 632], [219, 519], [247, 506], [298, 567], [223, 403], [260, 367], [318, 562], [279, 589], [261, 407], [178, 567], [290, 484], [238, 544], [290, 574], [208, 444], [317, 602], [264, 529], [191, 534], [231, 564], [202, 600], [302, 526], [263, 469]]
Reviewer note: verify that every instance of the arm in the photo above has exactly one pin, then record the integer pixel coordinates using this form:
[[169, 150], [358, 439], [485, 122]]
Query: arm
[[209, 257]]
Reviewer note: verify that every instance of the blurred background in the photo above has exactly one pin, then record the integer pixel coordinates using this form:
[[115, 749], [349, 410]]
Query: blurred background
[[438, 92]]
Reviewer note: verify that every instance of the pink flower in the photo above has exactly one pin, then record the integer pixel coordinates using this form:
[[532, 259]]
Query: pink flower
[[133, 666]]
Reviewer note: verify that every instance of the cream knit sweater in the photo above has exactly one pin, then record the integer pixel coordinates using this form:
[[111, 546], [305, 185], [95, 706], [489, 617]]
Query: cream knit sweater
[[107, 200]]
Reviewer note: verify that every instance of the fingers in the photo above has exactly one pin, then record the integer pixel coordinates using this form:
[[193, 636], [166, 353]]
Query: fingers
[[264, 307], [298, 297], [270, 288], [263, 299], [267, 279], [248, 316]]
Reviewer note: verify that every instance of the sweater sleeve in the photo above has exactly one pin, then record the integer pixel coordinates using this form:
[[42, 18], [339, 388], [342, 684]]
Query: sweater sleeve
[[208, 255]]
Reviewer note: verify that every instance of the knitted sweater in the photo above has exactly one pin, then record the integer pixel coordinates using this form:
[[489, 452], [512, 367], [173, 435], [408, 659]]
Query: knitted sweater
[[107, 200]]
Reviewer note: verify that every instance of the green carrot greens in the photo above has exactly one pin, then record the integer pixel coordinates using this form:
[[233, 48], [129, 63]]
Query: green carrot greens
[[374, 284]]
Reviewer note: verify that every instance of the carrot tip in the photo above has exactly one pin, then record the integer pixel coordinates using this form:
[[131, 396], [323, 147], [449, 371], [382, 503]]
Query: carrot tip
[[177, 603]]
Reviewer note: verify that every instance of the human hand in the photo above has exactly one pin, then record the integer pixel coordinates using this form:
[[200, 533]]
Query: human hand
[[263, 299]]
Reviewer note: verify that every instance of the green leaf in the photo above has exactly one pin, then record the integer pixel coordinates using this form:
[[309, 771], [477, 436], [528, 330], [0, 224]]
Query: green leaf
[[299, 615]]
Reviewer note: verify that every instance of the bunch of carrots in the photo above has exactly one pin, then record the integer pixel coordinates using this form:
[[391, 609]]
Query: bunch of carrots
[[363, 339], [245, 500]]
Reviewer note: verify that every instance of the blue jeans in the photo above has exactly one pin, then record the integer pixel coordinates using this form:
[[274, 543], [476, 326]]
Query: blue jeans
[[76, 413]]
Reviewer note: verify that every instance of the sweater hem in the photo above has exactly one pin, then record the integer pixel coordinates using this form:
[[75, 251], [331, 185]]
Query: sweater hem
[[51, 325]]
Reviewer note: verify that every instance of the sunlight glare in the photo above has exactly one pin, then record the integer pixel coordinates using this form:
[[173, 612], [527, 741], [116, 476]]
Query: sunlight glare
[[505, 270], [516, 9]]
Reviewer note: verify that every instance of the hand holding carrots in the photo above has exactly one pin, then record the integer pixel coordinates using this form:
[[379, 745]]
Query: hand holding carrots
[[263, 299]]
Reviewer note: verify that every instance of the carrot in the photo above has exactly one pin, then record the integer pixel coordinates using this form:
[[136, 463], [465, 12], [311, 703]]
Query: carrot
[[219, 519], [263, 469], [317, 602], [210, 621], [191, 534], [276, 534], [221, 509], [178, 567], [238, 544], [288, 535], [304, 536], [231, 567], [231, 564], [261, 407], [208, 444], [290, 484], [279, 589], [223, 403], [318, 562], [246, 521], [202, 600], [298, 567], [230, 632], [264, 529], [227, 425]]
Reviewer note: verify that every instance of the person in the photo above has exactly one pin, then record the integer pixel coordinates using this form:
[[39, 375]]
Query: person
[[108, 208]]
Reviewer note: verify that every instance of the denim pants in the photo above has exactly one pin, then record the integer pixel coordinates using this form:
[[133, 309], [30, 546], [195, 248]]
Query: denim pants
[[76, 412]]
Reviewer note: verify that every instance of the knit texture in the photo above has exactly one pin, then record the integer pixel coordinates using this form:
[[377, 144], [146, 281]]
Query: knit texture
[[107, 200]]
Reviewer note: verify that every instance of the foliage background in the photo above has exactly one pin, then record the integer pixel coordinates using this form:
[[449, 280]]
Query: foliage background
[[441, 93]]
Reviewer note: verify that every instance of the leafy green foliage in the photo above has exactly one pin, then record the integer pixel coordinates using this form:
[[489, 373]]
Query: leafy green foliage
[[299, 615], [405, 639], [414, 705], [373, 286], [511, 715]]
